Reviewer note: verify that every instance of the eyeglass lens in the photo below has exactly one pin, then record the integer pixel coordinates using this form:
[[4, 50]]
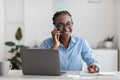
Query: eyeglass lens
[[61, 25]]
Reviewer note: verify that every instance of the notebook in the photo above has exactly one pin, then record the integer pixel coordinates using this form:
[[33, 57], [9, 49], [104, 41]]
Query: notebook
[[98, 74], [40, 62]]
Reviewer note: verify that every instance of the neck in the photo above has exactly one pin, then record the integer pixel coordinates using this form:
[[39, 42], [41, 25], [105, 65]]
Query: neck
[[65, 41]]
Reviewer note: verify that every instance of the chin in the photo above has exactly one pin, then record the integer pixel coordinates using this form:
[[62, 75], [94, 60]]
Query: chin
[[66, 35]]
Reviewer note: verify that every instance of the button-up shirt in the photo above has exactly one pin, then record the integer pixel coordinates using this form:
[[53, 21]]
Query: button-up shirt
[[72, 58]]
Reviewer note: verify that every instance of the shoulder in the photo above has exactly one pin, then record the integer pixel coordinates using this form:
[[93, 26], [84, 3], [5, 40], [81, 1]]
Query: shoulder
[[48, 40], [46, 44], [78, 38]]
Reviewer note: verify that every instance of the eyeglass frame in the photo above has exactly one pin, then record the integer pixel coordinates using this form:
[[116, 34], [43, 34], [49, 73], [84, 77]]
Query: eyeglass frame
[[61, 25]]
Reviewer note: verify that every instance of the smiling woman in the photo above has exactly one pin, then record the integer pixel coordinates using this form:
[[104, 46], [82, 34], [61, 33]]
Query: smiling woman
[[89, 19], [92, 21], [72, 49]]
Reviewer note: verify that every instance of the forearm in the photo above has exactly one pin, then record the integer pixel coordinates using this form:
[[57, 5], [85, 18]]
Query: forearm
[[54, 47]]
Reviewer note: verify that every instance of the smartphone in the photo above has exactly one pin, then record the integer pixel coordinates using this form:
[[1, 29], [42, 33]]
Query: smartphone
[[58, 36]]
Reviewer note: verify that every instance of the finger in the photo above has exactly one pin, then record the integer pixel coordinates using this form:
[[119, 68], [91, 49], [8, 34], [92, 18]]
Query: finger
[[57, 35], [93, 65], [93, 68], [55, 28], [54, 32]]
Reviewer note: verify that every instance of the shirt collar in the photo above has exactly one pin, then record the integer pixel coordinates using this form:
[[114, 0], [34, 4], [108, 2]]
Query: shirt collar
[[73, 39]]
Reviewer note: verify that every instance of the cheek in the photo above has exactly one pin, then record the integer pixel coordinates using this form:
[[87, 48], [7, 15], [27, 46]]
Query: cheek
[[71, 30], [60, 30]]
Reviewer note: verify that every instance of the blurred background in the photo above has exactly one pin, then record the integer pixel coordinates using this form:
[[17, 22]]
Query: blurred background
[[97, 21]]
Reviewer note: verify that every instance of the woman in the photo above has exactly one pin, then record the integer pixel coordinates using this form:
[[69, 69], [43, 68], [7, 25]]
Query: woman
[[71, 49]]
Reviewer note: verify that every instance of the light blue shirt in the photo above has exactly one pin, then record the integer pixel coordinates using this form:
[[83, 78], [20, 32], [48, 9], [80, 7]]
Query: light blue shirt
[[71, 58]]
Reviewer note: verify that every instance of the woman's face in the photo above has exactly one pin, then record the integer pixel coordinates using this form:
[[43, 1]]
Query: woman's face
[[63, 23]]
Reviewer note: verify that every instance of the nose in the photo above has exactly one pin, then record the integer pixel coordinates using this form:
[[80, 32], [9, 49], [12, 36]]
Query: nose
[[65, 28]]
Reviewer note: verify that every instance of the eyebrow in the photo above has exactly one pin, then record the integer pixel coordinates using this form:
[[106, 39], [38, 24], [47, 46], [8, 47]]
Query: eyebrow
[[65, 23]]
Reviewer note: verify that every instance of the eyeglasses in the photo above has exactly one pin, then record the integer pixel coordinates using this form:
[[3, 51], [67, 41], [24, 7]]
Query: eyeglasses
[[61, 25]]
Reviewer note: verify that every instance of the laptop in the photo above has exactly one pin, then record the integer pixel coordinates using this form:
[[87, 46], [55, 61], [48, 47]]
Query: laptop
[[40, 62]]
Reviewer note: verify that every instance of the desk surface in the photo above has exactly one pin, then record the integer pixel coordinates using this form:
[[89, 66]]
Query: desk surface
[[70, 75]]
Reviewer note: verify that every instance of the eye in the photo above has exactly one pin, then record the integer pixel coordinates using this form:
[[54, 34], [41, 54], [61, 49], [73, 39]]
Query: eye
[[59, 25], [69, 23]]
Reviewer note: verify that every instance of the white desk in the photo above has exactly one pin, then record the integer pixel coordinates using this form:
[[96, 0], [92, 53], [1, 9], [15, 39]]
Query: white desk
[[70, 75]]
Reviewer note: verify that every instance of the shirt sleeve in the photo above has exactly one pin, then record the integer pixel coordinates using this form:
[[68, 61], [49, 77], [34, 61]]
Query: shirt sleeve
[[44, 45], [88, 55]]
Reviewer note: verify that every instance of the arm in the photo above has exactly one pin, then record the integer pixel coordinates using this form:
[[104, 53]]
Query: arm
[[51, 43], [55, 35], [89, 57]]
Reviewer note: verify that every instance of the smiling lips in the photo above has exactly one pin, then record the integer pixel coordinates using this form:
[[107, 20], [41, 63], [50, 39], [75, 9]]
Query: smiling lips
[[65, 32]]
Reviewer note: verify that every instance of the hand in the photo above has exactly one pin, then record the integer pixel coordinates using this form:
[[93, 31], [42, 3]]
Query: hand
[[55, 34], [93, 68]]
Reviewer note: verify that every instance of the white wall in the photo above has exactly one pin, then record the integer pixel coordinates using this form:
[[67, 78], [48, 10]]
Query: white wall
[[118, 24], [13, 18], [118, 20], [94, 21], [38, 20], [2, 30]]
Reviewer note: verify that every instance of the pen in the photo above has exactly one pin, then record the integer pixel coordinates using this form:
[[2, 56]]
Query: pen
[[95, 59]]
